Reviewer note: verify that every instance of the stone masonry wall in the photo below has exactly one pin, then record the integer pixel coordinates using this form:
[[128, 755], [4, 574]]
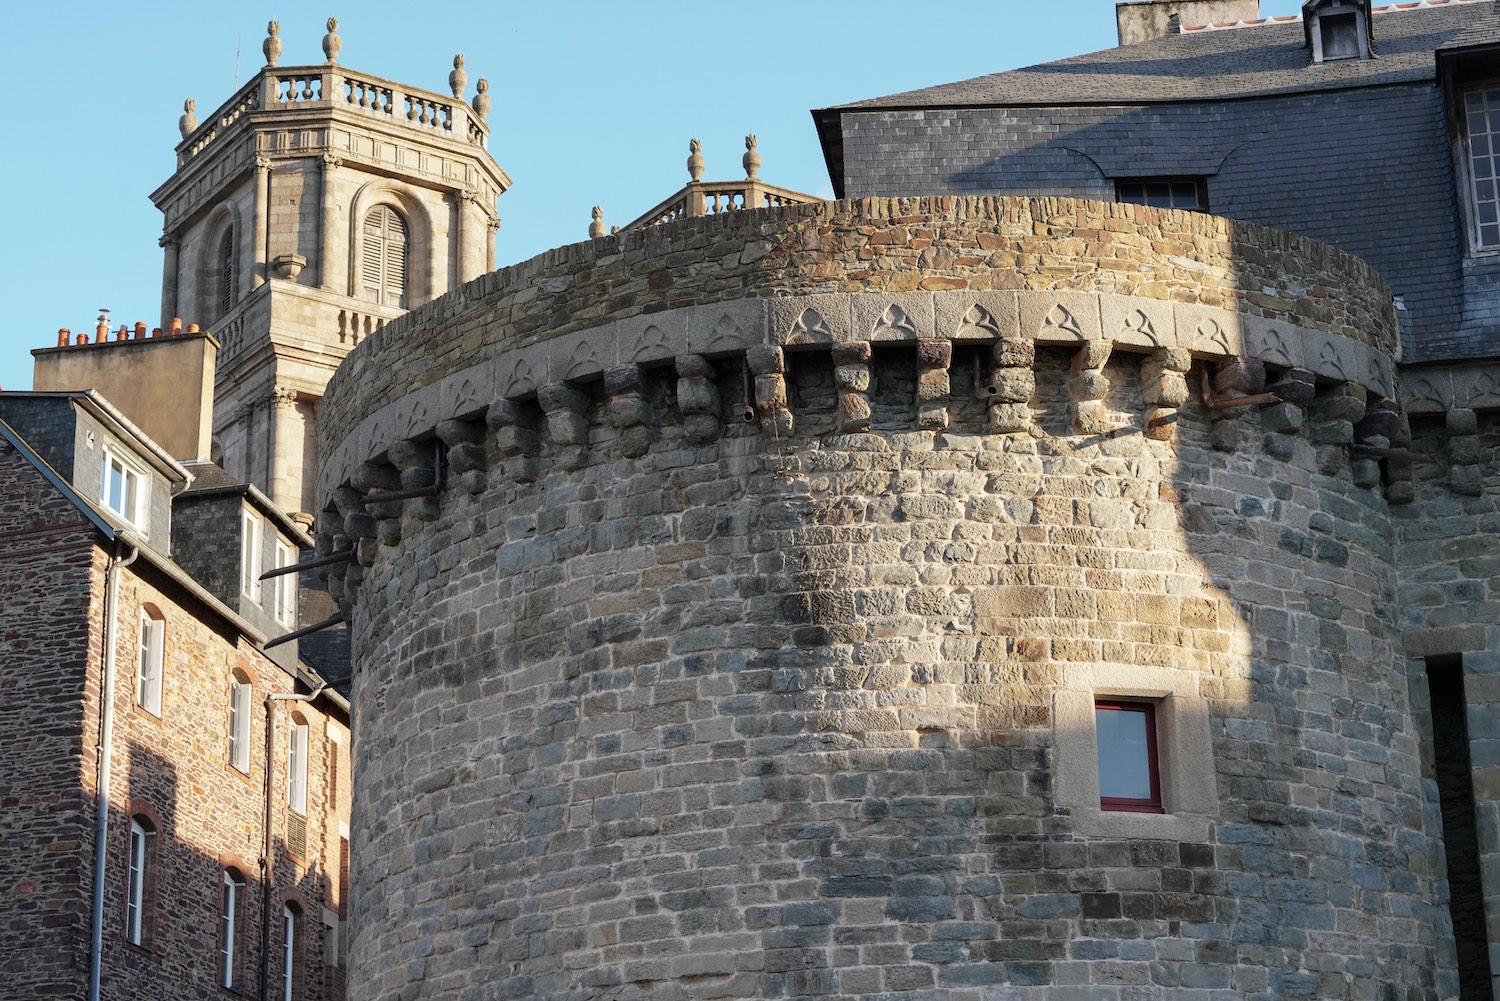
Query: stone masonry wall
[[766, 667], [172, 768], [884, 245], [47, 556], [210, 815], [1256, 157]]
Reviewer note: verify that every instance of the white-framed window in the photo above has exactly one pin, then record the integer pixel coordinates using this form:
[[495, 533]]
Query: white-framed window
[[229, 930], [137, 876], [285, 591], [382, 262], [122, 488], [1481, 141], [296, 768], [149, 671], [250, 554], [288, 953], [239, 724]]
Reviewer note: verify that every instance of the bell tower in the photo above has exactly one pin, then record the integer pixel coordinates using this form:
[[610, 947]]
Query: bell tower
[[314, 205]]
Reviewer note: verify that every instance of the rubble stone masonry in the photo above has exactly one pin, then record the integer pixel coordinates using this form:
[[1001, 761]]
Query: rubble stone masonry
[[750, 644], [171, 768]]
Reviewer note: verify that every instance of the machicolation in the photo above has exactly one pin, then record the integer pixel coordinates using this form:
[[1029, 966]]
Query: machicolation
[[741, 630]]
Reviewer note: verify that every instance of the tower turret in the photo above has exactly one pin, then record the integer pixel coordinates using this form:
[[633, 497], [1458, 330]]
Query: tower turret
[[314, 205]]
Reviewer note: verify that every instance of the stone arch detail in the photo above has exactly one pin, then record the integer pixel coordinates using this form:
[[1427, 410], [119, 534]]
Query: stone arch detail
[[225, 219], [421, 270]]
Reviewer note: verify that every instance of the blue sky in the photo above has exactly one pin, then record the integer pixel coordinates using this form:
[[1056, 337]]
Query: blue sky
[[593, 102]]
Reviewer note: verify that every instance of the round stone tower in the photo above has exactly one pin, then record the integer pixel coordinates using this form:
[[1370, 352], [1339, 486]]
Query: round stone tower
[[962, 598]]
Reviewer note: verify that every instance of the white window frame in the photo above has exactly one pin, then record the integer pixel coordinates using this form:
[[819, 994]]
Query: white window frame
[[229, 920], [239, 725], [1489, 88], [296, 769], [131, 503], [284, 593], [135, 885], [251, 557], [149, 665], [288, 951]]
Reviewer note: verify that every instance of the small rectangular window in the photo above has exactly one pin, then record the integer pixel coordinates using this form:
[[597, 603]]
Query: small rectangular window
[[229, 931], [148, 688], [239, 725], [296, 792], [1187, 193], [285, 591], [135, 887], [1129, 776], [121, 486], [250, 555], [289, 944]]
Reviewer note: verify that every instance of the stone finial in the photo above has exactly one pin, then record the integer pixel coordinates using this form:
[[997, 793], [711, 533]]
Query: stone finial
[[695, 160], [188, 123], [596, 228], [751, 159], [481, 100], [272, 45], [332, 43], [458, 79]]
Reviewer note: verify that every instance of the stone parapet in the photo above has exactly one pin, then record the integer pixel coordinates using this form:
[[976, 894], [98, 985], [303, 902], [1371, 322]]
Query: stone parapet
[[1251, 281]]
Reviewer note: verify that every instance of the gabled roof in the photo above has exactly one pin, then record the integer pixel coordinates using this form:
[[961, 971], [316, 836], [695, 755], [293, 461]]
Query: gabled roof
[[102, 410], [1220, 62]]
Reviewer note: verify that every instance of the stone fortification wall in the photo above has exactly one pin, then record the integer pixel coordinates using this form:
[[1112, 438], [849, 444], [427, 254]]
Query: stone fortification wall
[[870, 245], [750, 643]]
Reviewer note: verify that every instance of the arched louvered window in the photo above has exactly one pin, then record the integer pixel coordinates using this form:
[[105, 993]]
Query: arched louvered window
[[226, 272], [382, 264]]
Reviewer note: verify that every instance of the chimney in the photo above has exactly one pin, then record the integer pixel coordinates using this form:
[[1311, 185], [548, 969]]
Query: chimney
[[165, 385], [1143, 20]]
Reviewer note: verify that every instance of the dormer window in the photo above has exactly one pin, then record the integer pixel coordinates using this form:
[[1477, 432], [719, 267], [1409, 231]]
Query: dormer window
[[1337, 29], [122, 488]]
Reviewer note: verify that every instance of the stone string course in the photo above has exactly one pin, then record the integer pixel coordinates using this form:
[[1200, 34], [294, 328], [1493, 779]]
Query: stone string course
[[738, 669]]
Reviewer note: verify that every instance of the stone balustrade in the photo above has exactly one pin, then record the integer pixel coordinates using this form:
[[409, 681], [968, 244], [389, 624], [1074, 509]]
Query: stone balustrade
[[334, 87]]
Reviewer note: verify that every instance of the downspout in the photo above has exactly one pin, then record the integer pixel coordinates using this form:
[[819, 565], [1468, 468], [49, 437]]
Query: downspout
[[266, 847], [106, 739]]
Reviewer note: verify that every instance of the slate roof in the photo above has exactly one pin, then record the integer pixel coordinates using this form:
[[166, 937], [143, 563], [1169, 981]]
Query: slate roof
[[1254, 60], [1481, 35]]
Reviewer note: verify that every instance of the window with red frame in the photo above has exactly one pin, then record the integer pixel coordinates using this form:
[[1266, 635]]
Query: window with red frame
[[1129, 776]]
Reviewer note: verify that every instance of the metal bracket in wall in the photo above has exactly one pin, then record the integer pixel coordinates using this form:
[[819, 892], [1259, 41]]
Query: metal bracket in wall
[[747, 412], [439, 480], [342, 556], [297, 634], [1225, 402], [982, 390]]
